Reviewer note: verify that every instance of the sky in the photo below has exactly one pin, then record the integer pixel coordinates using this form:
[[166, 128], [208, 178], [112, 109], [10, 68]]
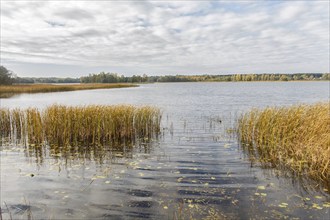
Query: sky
[[74, 38]]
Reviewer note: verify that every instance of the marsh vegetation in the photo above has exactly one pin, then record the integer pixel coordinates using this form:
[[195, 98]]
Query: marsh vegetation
[[295, 137], [9, 90], [74, 126]]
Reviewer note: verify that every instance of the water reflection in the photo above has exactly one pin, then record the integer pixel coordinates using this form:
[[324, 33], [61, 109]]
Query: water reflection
[[100, 154], [299, 180]]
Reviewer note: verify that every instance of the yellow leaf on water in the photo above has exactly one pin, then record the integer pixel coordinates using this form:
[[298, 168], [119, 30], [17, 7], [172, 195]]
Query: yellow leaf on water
[[327, 205], [261, 187], [165, 207], [226, 145], [318, 197], [316, 206], [212, 178], [263, 194]]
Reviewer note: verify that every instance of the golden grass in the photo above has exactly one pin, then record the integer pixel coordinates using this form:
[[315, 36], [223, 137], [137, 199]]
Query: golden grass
[[296, 137], [84, 125], [38, 88]]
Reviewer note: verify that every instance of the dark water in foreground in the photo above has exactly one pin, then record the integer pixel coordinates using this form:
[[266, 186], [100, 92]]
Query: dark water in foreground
[[194, 169]]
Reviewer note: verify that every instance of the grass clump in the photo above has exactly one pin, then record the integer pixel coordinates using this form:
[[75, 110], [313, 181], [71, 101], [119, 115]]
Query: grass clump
[[79, 126], [296, 137], [8, 90]]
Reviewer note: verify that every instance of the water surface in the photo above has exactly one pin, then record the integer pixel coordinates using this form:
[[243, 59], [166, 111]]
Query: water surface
[[194, 169]]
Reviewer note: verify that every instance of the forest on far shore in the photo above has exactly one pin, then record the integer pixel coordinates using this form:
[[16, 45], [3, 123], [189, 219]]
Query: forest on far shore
[[8, 77]]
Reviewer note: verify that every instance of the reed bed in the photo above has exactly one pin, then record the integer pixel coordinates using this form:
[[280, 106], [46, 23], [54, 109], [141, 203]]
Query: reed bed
[[39, 88], [61, 125], [296, 137]]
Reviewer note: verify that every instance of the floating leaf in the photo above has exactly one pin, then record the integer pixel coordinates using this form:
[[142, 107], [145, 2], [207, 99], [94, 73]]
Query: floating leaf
[[263, 194], [318, 197], [107, 182], [226, 145], [98, 177], [165, 207], [316, 206], [212, 178], [261, 187], [327, 205]]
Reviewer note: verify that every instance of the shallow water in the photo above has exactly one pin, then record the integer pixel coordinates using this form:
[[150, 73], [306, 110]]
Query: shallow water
[[194, 169]]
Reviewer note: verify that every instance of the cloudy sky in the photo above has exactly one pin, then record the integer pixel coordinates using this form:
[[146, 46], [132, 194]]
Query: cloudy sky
[[74, 38]]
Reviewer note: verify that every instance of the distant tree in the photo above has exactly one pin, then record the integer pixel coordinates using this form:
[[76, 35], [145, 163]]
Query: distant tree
[[326, 76], [6, 76], [284, 78]]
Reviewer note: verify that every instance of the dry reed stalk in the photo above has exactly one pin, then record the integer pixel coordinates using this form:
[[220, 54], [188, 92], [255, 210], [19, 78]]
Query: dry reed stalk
[[297, 137], [40, 88], [85, 125]]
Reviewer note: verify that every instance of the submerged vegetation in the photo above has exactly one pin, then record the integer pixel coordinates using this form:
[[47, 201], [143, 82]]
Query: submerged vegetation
[[8, 90], [79, 126], [296, 137]]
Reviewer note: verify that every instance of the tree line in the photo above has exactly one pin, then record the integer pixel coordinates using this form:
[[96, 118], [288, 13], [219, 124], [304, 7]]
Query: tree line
[[116, 78], [7, 77]]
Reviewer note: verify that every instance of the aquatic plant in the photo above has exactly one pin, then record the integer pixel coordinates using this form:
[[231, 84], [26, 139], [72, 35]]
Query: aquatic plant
[[82, 125], [8, 90], [296, 137]]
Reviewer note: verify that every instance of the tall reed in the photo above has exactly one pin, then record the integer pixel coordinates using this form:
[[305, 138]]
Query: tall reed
[[84, 125], [296, 137]]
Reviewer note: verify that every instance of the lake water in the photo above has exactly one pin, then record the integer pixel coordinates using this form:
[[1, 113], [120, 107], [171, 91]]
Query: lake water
[[195, 169]]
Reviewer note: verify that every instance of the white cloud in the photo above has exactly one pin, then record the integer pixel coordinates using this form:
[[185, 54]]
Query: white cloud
[[160, 37]]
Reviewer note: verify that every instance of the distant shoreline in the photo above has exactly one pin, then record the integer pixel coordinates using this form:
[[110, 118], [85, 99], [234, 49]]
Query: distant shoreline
[[117, 78], [7, 91]]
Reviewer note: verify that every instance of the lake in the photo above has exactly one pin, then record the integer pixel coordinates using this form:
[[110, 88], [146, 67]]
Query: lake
[[194, 169]]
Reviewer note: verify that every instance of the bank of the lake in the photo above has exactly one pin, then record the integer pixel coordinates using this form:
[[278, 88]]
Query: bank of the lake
[[9, 90]]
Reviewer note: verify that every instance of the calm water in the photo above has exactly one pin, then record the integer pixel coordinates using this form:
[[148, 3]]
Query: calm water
[[195, 169]]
